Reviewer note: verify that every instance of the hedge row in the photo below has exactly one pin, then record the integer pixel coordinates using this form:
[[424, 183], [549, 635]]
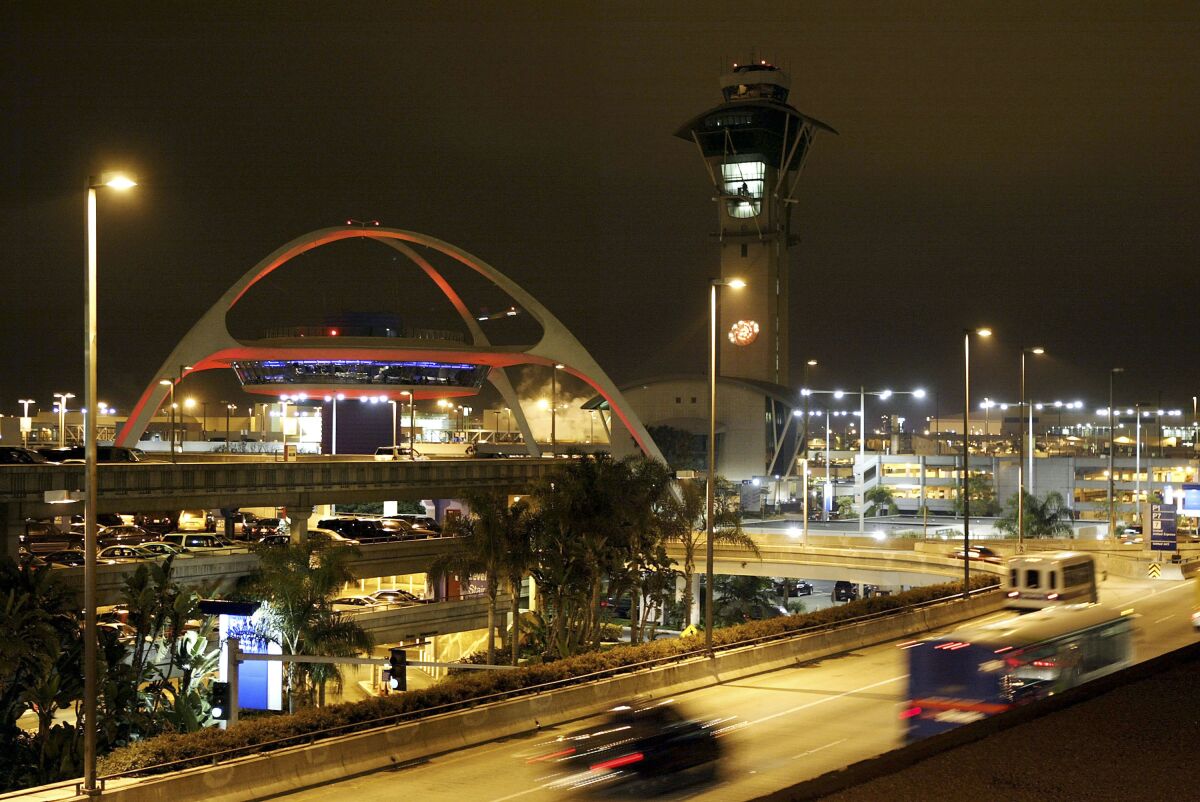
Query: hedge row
[[461, 690]]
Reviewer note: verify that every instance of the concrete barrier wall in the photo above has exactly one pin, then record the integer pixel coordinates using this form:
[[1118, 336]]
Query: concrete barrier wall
[[286, 770]]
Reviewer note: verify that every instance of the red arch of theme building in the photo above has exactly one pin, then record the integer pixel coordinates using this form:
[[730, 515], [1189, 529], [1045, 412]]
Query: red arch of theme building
[[209, 345]]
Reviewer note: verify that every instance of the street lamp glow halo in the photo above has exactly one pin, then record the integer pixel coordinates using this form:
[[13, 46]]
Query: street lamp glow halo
[[983, 331], [1037, 350], [114, 179]]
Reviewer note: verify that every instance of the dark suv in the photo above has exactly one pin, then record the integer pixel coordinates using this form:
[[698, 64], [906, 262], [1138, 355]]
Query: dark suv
[[364, 531], [844, 591], [15, 455]]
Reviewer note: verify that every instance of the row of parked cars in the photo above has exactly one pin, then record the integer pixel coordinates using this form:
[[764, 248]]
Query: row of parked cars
[[391, 597], [67, 455]]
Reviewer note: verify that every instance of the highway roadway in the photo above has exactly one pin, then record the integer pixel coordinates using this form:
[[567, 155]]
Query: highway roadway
[[779, 728]]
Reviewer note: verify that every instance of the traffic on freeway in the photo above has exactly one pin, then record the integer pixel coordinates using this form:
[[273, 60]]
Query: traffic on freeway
[[768, 732]]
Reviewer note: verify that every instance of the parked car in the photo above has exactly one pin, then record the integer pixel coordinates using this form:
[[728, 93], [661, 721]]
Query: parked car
[[66, 557], [160, 522], [75, 454], [399, 529], [793, 587], [331, 537], [394, 453], [125, 534], [196, 521], [243, 524], [274, 540], [844, 591], [269, 526], [161, 549], [123, 554], [15, 455], [419, 521], [397, 596], [196, 541], [362, 530], [353, 603], [42, 535]]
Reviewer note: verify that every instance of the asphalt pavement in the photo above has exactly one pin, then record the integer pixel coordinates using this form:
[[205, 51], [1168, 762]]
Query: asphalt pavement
[[777, 728]]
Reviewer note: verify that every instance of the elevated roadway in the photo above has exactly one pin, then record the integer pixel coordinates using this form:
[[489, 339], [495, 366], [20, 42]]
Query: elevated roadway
[[859, 560], [211, 485], [786, 726], [218, 573]]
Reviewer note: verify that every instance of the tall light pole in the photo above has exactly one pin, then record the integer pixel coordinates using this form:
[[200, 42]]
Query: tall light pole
[[1112, 507], [25, 402], [710, 490], [228, 409], [412, 424], [170, 385], [554, 406], [1021, 460], [62, 417], [811, 363], [90, 485], [390, 401], [966, 453], [333, 432], [189, 404]]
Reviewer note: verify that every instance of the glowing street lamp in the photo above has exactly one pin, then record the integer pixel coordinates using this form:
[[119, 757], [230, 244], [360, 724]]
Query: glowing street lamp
[[62, 417], [117, 181]]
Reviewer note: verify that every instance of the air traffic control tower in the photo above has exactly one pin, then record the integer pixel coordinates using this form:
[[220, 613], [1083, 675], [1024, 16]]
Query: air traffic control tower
[[754, 145]]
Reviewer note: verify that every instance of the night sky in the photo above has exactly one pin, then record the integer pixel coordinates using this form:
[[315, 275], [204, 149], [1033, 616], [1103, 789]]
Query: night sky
[[1028, 165]]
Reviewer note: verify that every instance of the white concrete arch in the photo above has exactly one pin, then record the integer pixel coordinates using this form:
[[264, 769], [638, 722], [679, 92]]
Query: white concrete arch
[[209, 344]]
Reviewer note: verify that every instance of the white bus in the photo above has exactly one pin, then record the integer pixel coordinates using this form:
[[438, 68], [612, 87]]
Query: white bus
[[1034, 581]]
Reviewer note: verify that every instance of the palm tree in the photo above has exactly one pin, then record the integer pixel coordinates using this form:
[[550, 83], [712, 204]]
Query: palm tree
[[882, 501], [1046, 517], [296, 584], [683, 523], [485, 539]]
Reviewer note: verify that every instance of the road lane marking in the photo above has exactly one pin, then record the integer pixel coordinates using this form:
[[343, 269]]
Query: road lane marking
[[818, 749], [807, 705], [1164, 618]]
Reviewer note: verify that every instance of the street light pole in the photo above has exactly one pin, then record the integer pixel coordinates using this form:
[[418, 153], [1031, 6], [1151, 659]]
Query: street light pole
[[412, 426], [1112, 507], [1021, 458], [966, 453], [554, 407], [62, 417], [395, 455], [90, 485], [25, 402], [710, 489]]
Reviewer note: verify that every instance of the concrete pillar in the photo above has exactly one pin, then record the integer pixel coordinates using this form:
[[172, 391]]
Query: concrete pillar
[[299, 523], [12, 526], [533, 600], [696, 600]]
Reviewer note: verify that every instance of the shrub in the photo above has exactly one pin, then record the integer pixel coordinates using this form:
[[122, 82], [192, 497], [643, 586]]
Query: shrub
[[465, 689]]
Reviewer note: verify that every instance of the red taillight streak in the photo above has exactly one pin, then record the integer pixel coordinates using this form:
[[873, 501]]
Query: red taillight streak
[[910, 712], [1044, 663], [617, 762], [570, 750]]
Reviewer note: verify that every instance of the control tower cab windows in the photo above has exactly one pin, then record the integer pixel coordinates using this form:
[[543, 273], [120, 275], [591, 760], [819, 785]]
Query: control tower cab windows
[[742, 185]]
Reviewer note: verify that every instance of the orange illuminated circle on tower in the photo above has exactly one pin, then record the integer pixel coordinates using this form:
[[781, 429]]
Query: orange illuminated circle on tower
[[743, 332]]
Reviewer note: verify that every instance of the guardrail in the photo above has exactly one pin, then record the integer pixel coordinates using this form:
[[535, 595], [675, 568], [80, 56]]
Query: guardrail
[[216, 758]]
